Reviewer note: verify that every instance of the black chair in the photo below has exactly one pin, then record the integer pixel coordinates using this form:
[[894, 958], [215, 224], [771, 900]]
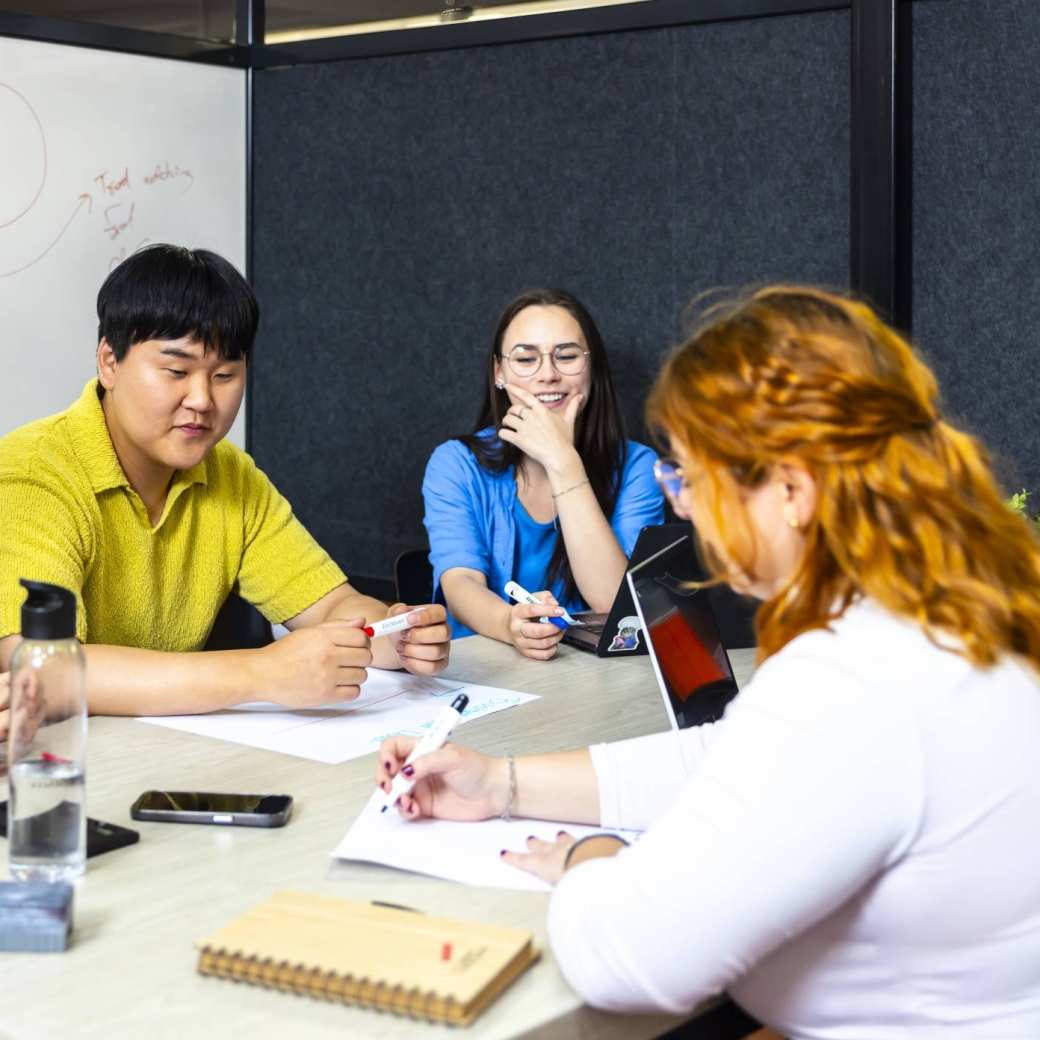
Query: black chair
[[413, 577], [725, 1021], [239, 626]]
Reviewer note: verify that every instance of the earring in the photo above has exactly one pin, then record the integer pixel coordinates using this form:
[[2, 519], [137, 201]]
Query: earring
[[500, 386], [793, 521]]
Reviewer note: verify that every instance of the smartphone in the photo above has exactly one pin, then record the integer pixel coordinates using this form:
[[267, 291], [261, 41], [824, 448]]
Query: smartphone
[[244, 810], [101, 836]]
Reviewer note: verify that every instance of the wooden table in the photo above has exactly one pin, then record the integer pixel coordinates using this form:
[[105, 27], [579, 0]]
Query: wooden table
[[131, 969]]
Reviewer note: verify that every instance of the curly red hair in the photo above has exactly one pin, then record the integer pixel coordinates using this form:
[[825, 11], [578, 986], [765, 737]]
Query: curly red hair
[[908, 512]]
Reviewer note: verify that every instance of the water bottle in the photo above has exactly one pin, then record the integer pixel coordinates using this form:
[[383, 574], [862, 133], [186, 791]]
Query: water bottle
[[47, 740]]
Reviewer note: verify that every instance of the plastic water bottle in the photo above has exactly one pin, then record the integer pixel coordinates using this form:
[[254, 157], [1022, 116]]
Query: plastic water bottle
[[48, 740]]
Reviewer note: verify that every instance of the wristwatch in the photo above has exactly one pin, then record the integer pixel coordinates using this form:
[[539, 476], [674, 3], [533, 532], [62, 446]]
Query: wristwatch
[[593, 846]]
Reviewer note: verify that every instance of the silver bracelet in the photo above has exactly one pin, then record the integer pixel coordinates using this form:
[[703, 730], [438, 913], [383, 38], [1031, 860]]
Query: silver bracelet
[[507, 812], [573, 487]]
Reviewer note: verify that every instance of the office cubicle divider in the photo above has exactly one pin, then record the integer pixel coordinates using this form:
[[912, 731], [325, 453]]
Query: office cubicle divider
[[401, 201], [976, 219]]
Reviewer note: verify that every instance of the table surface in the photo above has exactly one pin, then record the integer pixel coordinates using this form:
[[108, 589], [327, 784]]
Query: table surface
[[130, 971]]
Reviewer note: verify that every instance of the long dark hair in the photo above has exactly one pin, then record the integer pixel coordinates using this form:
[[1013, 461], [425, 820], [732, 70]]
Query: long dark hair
[[598, 434]]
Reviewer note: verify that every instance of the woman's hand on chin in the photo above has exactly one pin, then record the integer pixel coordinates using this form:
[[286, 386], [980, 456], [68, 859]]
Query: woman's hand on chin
[[545, 435]]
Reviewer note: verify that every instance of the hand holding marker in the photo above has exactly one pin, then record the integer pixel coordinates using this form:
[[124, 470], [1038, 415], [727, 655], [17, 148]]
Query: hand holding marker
[[521, 595], [434, 739]]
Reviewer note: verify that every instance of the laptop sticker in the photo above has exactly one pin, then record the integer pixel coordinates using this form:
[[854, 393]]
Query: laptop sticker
[[627, 638]]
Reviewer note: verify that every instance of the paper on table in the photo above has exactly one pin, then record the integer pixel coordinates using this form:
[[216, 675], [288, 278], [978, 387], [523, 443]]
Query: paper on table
[[390, 702], [466, 852]]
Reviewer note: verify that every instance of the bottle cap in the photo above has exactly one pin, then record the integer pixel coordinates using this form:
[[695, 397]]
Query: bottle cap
[[49, 611]]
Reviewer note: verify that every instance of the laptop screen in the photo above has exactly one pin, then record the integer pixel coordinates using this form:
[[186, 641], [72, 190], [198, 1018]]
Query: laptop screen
[[688, 656]]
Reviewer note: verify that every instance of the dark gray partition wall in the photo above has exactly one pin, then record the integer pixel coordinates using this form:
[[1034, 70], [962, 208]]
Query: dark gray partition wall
[[976, 218], [399, 202], [761, 153]]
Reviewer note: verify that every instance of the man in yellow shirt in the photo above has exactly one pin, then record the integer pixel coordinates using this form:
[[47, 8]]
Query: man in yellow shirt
[[132, 499]]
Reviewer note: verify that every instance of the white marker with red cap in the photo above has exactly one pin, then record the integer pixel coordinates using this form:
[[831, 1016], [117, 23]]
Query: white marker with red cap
[[397, 623]]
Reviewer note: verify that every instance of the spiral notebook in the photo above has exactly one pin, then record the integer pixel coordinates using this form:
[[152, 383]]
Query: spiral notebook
[[434, 968]]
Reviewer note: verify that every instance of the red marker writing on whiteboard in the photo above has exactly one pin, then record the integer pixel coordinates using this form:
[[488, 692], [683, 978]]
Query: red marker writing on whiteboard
[[390, 624]]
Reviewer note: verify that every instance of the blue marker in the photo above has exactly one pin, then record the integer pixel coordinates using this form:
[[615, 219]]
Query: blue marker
[[521, 595]]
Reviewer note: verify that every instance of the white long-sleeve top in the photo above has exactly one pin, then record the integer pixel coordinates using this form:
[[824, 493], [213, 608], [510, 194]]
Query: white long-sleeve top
[[853, 851]]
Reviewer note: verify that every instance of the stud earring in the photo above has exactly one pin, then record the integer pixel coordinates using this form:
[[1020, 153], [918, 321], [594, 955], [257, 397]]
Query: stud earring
[[792, 520], [500, 386]]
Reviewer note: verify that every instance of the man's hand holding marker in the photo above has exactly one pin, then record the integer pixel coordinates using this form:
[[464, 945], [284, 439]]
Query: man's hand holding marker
[[420, 636]]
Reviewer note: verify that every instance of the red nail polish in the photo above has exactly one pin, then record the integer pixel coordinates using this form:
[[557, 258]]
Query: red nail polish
[[388, 766], [502, 852], [408, 770]]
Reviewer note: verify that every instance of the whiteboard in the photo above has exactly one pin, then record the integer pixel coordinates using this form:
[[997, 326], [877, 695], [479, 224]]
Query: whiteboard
[[101, 153]]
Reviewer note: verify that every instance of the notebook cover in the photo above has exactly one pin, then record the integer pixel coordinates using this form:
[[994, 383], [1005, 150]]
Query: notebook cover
[[374, 956]]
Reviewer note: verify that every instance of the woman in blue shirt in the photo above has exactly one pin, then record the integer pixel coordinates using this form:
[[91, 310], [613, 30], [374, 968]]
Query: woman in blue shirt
[[546, 491]]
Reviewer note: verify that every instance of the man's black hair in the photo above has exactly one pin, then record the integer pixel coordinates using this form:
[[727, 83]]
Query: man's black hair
[[168, 292]]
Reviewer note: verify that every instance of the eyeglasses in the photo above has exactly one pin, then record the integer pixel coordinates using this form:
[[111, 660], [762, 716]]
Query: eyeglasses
[[669, 475], [567, 358]]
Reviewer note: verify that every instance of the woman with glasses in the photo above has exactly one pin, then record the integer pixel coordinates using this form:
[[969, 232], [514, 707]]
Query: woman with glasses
[[853, 851], [545, 491]]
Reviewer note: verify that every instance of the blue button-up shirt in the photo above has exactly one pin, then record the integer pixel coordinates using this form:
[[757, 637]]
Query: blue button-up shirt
[[471, 519]]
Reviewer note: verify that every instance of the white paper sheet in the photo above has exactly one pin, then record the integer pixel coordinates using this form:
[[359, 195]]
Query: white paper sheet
[[466, 852], [390, 702]]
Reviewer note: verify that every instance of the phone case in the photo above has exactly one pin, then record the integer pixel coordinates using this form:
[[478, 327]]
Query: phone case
[[101, 836]]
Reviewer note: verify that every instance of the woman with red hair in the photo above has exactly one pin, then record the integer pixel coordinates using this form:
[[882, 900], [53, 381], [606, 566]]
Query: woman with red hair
[[853, 850]]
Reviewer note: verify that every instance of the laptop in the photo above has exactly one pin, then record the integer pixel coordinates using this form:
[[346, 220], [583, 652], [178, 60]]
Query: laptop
[[618, 633], [686, 649]]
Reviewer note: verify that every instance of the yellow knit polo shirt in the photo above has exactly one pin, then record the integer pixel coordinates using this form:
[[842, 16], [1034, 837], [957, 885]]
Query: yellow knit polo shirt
[[69, 516]]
